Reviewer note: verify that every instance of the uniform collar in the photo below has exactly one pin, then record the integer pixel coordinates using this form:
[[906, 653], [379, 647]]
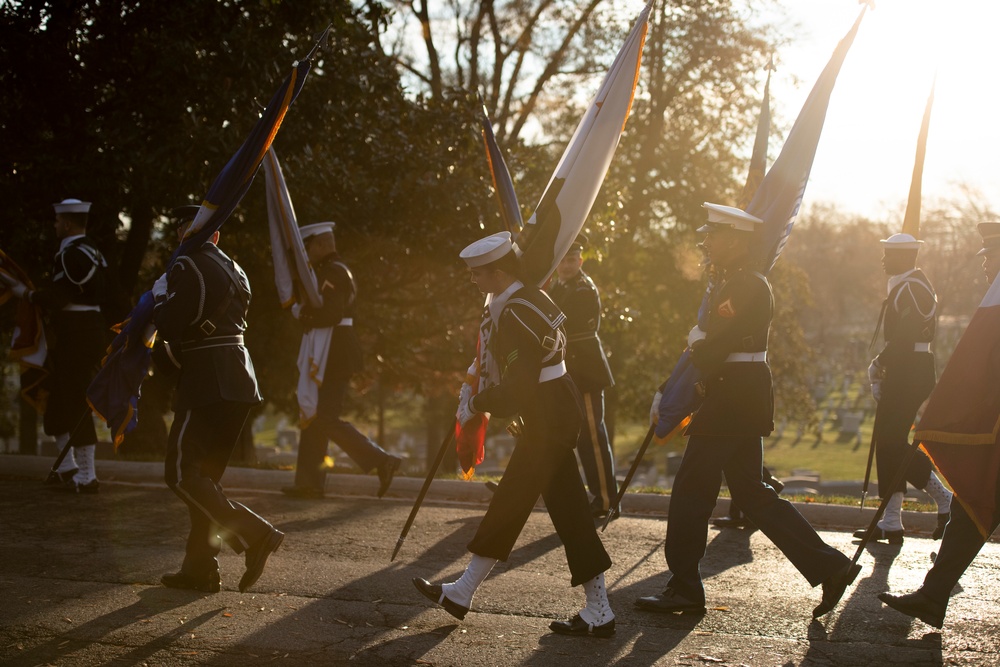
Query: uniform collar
[[897, 279], [500, 300], [69, 239]]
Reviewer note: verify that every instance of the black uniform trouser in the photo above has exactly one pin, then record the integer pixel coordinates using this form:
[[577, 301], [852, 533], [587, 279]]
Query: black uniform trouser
[[198, 449], [693, 498], [79, 345], [595, 451], [902, 396], [327, 425], [960, 545], [543, 467]]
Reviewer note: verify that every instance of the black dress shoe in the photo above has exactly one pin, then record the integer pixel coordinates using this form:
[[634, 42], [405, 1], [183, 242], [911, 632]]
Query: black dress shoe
[[301, 491], [256, 557], [577, 627], [434, 593], [882, 535], [834, 587], [64, 477], [491, 486], [942, 523], [668, 602], [72, 486], [917, 605], [386, 470], [210, 582]]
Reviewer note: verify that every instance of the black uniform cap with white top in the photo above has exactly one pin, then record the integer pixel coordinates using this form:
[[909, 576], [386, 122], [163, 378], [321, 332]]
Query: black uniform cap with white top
[[72, 206], [315, 229], [728, 217], [579, 243], [990, 231], [487, 250]]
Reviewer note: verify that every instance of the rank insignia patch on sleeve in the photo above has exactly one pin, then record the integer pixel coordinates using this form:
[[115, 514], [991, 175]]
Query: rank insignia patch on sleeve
[[726, 309]]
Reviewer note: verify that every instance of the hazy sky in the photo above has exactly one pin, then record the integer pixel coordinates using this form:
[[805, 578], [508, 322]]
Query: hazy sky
[[865, 157]]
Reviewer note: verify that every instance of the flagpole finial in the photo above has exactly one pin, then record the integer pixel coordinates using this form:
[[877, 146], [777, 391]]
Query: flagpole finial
[[770, 67], [869, 3], [320, 42]]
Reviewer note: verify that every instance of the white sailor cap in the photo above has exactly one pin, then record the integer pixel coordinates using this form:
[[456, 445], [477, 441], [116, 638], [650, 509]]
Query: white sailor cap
[[316, 229], [486, 250], [72, 206], [901, 242], [730, 217], [990, 231]]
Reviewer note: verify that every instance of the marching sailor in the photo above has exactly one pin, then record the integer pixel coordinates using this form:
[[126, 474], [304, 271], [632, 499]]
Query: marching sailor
[[577, 297], [726, 433], [902, 377], [528, 342], [962, 539], [200, 313], [78, 337], [339, 291]]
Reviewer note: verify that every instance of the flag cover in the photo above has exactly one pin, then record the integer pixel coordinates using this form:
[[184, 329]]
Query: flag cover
[[296, 283]]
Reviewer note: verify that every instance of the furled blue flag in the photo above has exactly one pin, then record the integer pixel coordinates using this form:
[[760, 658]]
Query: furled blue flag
[[510, 210], [776, 202], [114, 392]]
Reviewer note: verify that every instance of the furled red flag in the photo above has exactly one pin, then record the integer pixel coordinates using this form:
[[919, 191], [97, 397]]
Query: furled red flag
[[960, 427], [114, 392], [567, 199], [296, 284], [27, 345], [776, 202]]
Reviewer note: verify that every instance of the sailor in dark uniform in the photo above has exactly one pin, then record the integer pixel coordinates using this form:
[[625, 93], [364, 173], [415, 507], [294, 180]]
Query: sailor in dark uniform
[[528, 342], [339, 291], [962, 539], [577, 297], [726, 433], [902, 377], [201, 307], [78, 338]]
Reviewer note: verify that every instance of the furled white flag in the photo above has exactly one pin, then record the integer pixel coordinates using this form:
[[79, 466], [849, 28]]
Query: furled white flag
[[296, 283]]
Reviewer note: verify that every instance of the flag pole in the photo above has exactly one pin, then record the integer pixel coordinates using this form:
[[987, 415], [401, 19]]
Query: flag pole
[[431, 472], [871, 457], [631, 473]]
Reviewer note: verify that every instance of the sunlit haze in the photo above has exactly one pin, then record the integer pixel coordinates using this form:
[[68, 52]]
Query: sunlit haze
[[865, 158]]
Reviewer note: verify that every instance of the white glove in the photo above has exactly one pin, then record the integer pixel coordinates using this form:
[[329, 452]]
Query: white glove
[[465, 410], [695, 335], [876, 391], [875, 374], [296, 309], [874, 371], [160, 288], [654, 409], [17, 288]]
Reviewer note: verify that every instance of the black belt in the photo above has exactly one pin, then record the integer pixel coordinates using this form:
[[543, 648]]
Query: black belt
[[213, 341], [576, 338]]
